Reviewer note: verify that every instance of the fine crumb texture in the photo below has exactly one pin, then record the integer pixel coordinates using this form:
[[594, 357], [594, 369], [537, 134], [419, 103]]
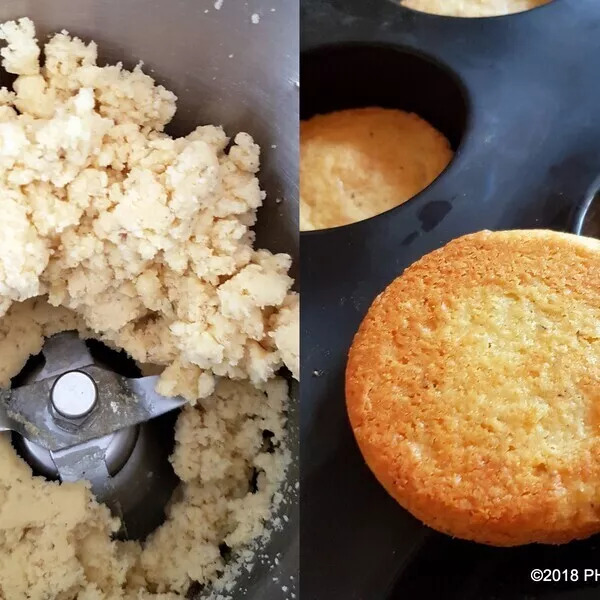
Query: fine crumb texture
[[53, 537], [146, 237], [473, 8], [23, 330], [472, 388], [357, 163], [230, 454], [220, 443], [112, 228], [286, 332]]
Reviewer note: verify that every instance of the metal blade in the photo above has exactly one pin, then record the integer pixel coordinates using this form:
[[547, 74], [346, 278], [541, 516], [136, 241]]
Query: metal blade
[[122, 402], [87, 462], [143, 388], [6, 423], [64, 352]]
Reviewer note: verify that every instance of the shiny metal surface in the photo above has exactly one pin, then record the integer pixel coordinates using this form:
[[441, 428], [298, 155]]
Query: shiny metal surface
[[78, 406], [117, 446], [127, 470], [226, 70], [62, 352], [73, 394]]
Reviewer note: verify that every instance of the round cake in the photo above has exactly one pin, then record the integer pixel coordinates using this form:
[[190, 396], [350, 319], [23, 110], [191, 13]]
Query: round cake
[[357, 163], [473, 8], [473, 388]]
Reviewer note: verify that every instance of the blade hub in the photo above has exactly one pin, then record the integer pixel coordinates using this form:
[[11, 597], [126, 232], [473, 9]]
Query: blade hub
[[74, 395], [76, 419]]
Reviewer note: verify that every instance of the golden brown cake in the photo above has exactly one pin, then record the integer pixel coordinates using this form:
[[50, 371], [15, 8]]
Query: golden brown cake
[[473, 8], [473, 388], [357, 163]]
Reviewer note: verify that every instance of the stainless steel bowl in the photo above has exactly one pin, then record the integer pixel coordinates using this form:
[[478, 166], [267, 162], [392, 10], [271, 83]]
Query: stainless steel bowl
[[228, 70]]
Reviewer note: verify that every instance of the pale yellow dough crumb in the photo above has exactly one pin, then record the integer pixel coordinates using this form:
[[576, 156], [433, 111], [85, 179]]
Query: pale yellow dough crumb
[[55, 539], [473, 8], [23, 329], [357, 163], [146, 237], [113, 228]]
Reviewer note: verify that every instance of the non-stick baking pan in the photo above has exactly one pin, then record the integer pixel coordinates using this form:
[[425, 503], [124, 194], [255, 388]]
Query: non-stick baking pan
[[518, 97]]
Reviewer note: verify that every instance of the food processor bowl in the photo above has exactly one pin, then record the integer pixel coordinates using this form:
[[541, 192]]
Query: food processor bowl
[[233, 64]]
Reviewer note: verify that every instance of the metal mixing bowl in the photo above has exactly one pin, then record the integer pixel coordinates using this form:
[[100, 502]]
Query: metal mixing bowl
[[225, 70]]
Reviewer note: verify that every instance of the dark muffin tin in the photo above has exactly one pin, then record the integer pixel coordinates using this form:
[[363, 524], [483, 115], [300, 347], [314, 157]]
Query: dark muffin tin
[[518, 98]]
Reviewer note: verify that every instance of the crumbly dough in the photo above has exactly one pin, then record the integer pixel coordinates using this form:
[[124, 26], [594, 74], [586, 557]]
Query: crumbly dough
[[147, 237], [113, 228], [55, 540], [286, 332], [357, 163], [472, 388], [23, 330], [473, 8]]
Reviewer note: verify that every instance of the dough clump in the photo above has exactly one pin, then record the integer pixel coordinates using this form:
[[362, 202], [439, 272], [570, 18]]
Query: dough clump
[[112, 228], [146, 237], [55, 539]]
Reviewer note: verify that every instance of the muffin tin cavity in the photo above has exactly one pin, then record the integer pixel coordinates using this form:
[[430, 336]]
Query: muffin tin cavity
[[344, 76], [383, 173], [524, 118]]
